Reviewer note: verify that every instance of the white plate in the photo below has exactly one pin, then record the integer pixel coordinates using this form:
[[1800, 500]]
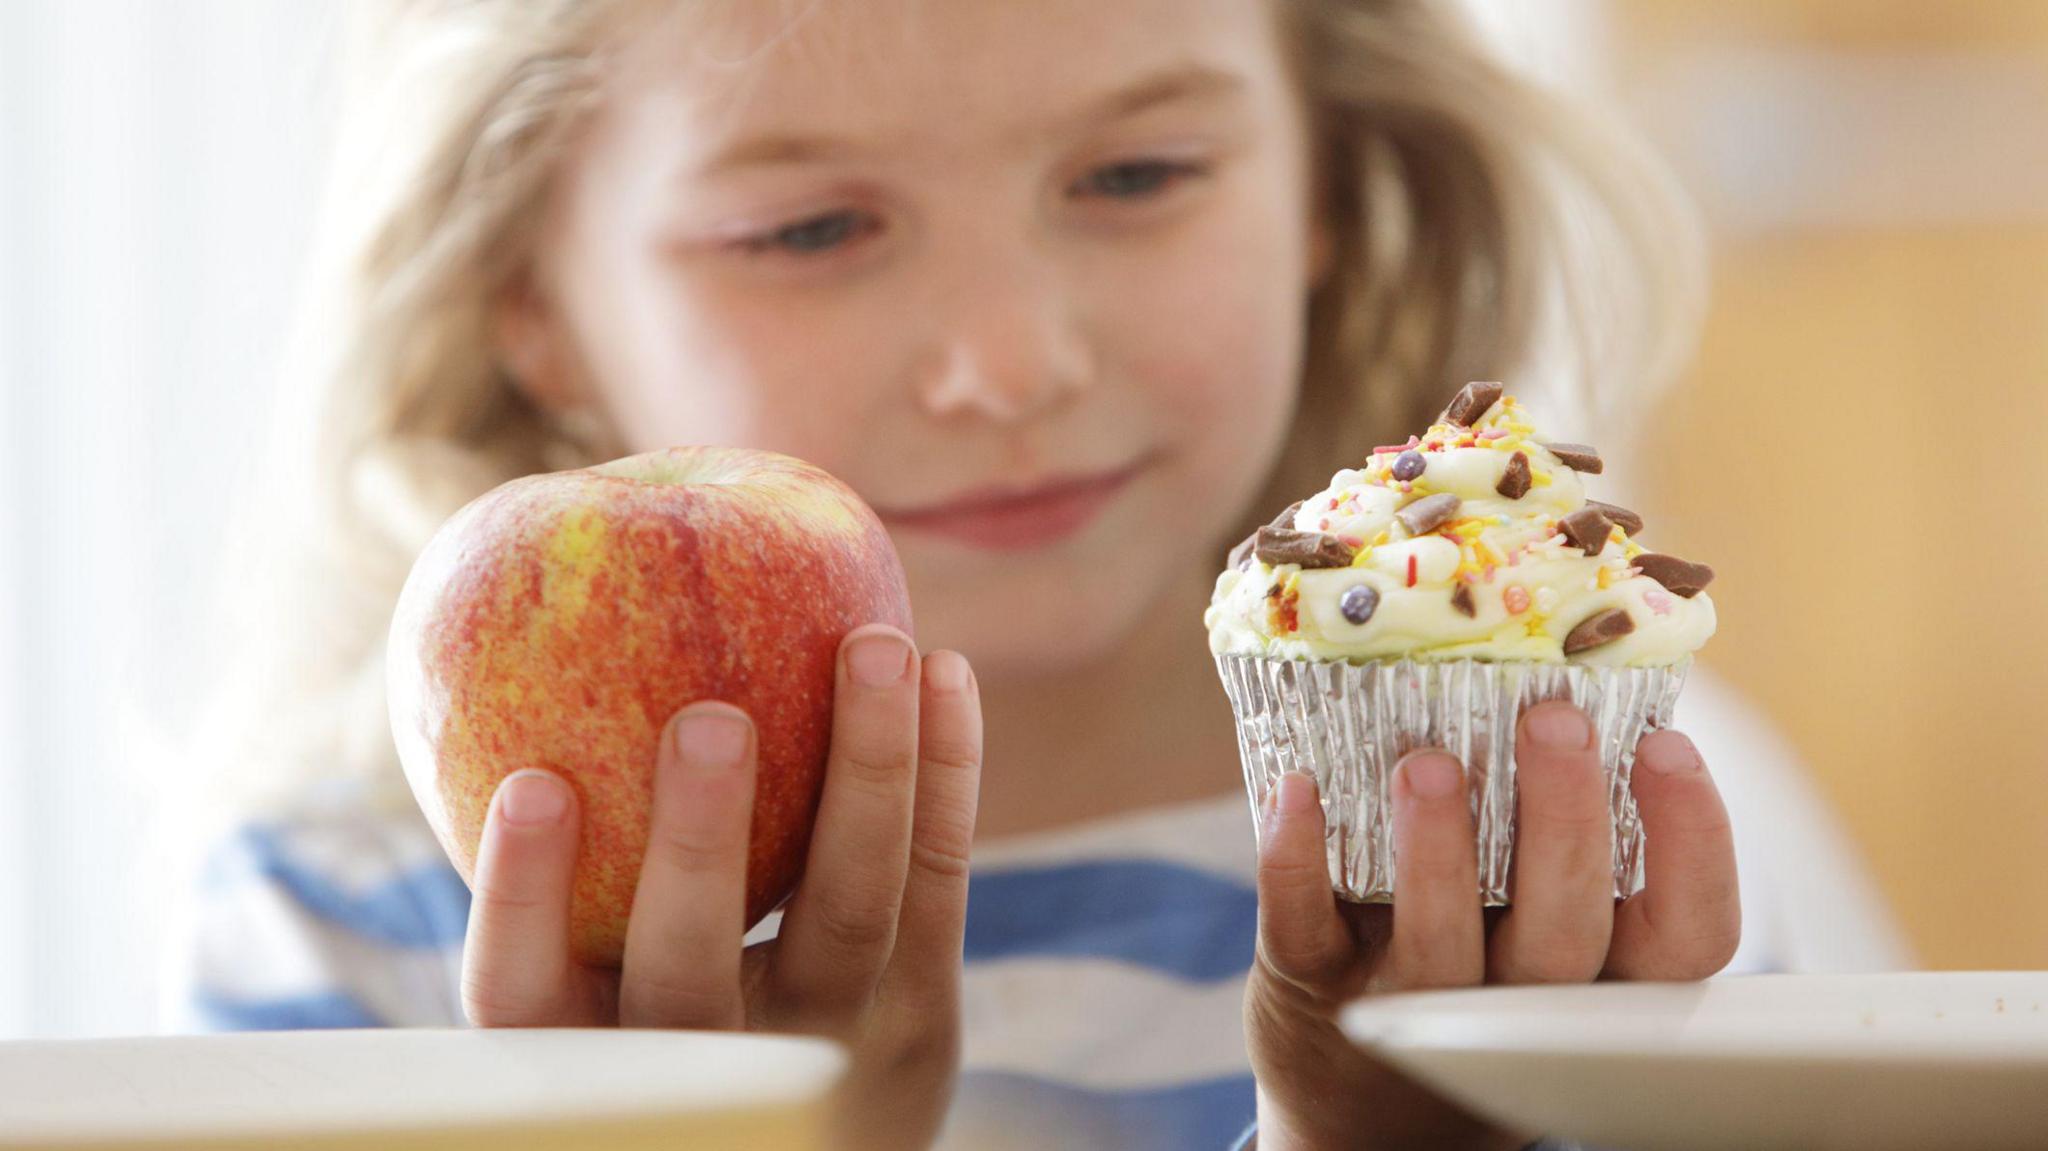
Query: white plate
[[505, 1090], [1814, 1062]]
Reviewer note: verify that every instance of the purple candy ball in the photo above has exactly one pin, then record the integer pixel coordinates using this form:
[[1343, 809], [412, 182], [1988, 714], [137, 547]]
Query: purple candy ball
[[1359, 603]]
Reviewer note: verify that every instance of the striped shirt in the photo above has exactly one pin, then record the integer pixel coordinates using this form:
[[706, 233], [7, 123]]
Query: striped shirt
[[1105, 963], [1102, 992]]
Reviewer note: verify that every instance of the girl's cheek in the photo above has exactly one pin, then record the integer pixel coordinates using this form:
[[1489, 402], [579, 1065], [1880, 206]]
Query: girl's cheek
[[715, 366], [1220, 358]]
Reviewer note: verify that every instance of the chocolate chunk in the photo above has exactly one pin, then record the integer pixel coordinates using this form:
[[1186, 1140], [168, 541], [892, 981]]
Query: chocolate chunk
[[1578, 457], [1359, 603], [1428, 513], [1408, 465], [1682, 578], [1470, 403], [1241, 555], [1278, 546], [1587, 529], [1594, 630], [1462, 600], [1627, 520], [1514, 482]]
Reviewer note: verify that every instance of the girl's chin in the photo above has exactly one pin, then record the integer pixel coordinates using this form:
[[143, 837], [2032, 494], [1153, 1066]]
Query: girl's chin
[[1029, 624]]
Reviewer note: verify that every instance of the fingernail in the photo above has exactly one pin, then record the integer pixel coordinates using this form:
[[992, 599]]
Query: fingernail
[[878, 660], [532, 798], [1290, 797], [710, 740], [1669, 753], [1558, 727], [1297, 793], [946, 671], [1432, 775]]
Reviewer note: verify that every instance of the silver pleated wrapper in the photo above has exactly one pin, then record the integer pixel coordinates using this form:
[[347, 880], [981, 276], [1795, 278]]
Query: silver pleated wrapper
[[1349, 724]]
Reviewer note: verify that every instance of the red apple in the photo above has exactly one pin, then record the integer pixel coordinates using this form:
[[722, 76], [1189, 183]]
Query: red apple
[[559, 621]]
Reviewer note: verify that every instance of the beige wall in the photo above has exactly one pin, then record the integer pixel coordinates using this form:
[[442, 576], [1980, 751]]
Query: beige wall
[[1862, 452]]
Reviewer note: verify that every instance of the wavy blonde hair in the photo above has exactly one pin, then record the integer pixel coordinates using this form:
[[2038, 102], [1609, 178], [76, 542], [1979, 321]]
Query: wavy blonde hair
[[1473, 211]]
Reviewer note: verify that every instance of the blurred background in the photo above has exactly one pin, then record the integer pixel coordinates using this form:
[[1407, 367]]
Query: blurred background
[[1851, 447]]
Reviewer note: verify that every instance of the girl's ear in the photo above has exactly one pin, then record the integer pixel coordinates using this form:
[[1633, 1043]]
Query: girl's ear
[[527, 337]]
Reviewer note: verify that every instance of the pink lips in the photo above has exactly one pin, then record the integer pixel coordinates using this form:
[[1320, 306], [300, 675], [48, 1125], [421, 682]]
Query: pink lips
[[1019, 518]]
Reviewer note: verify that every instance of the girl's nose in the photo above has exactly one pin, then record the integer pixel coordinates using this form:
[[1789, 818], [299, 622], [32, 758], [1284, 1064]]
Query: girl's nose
[[1007, 348]]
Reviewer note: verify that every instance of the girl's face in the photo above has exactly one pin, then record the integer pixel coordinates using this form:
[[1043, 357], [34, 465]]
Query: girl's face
[[1032, 278]]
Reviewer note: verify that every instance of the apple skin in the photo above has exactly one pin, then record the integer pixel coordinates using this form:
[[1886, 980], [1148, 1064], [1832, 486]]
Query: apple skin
[[559, 620]]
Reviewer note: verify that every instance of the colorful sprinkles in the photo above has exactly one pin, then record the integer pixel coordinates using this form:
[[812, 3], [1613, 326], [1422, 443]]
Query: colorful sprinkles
[[1490, 546]]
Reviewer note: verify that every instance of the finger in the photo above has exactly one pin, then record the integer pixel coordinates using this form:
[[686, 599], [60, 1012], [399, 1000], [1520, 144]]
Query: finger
[[931, 931], [682, 958], [1557, 927], [517, 970], [1686, 922], [841, 923], [1301, 936], [1439, 940]]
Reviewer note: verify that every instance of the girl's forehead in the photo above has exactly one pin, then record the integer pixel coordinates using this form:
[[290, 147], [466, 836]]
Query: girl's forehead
[[722, 72]]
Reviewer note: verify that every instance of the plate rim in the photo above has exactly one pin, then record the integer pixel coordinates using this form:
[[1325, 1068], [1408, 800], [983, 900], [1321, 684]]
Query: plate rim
[[1397, 1023]]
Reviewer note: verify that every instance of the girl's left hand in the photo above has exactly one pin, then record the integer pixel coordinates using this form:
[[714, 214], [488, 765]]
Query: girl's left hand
[[1316, 1090]]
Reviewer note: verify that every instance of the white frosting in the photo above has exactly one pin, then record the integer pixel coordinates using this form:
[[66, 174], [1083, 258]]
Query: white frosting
[[1528, 585]]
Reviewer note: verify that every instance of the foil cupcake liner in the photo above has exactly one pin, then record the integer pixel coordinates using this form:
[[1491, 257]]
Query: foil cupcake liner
[[1349, 724]]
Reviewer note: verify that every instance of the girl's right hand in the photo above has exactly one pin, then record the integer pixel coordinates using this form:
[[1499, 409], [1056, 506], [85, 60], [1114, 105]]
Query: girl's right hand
[[869, 952]]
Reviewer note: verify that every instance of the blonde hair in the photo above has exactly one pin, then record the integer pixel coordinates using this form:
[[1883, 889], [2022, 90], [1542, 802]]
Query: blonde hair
[[1467, 204]]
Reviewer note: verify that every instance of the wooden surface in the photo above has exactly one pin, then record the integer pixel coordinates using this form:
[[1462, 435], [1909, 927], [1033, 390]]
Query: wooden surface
[[1860, 453]]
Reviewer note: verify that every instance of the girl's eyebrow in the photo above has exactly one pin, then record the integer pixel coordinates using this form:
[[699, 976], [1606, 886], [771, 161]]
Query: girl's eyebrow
[[1185, 82]]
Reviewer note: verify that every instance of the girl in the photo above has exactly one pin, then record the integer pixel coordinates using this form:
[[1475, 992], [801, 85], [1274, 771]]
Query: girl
[[1070, 292]]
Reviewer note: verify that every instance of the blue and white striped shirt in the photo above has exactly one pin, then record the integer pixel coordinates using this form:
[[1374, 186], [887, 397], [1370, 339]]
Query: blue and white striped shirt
[[1102, 994], [1105, 963]]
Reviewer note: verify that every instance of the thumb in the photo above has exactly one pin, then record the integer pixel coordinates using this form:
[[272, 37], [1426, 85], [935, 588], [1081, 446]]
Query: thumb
[[1301, 936]]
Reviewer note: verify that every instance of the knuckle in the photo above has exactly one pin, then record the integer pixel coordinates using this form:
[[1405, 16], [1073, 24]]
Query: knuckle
[[949, 752], [1273, 1005], [665, 999], [1302, 963], [1557, 963], [910, 1043], [1710, 951], [1581, 822], [858, 921], [1713, 824], [941, 860], [944, 822], [1424, 973], [1428, 959], [1285, 875], [696, 854], [489, 1002], [1694, 956], [498, 896], [1443, 871], [874, 772]]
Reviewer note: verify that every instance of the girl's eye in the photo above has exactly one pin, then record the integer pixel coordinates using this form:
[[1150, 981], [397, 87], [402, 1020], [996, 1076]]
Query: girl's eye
[[1134, 179], [813, 236]]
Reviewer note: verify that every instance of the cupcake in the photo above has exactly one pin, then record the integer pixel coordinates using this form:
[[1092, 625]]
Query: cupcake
[[1424, 599]]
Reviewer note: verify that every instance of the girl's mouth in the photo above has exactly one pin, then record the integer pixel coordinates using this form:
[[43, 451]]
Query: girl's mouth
[[1020, 517]]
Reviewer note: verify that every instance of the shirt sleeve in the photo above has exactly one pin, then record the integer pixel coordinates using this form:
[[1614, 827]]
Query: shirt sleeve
[[337, 920]]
